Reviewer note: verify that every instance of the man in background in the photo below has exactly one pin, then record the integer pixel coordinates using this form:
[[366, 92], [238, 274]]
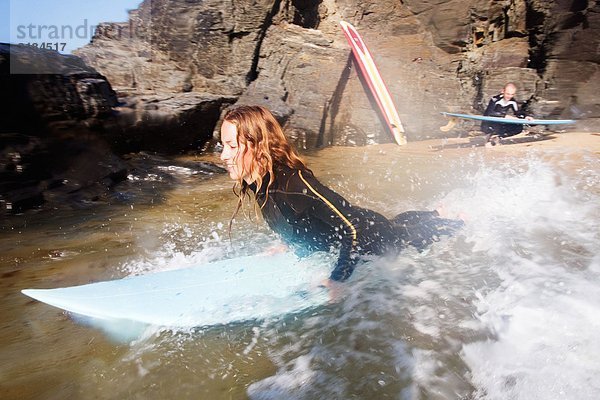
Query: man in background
[[502, 105]]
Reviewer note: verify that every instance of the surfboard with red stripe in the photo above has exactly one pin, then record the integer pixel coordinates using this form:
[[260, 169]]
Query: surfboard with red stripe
[[374, 81]]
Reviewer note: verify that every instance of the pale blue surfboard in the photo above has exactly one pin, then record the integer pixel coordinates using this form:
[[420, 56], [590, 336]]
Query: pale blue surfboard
[[518, 121], [222, 292]]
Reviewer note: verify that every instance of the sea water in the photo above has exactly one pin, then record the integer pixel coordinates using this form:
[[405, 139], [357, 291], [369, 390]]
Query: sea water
[[505, 309]]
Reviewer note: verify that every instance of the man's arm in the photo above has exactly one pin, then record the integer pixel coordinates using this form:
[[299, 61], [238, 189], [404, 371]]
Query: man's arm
[[490, 107]]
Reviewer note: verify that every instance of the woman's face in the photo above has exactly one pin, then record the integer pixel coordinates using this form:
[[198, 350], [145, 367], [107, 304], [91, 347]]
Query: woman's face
[[233, 155]]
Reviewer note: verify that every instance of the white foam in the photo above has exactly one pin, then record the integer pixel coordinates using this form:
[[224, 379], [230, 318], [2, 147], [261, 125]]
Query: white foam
[[184, 245], [293, 384], [539, 234], [506, 309]]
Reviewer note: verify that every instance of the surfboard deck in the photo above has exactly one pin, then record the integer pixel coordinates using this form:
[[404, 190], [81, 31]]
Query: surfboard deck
[[517, 121], [375, 82], [240, 289]]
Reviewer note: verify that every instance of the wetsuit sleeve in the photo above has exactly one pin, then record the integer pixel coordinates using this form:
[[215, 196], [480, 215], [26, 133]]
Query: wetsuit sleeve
[[489, 111], [344, 267], [519, 113], [332, 210]]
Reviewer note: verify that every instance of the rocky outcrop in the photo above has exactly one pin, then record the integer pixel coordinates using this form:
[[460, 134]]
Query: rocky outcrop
[[52, 110], [298, 73], [172, 46], [435, 55], [173, 69], [47, 93], [312, 74], [567, 55], [68, 172], [62, 126], [165, 123]]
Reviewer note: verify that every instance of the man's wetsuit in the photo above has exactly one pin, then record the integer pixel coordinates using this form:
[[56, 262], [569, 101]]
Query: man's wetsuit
[[311, 217], [499, 107]]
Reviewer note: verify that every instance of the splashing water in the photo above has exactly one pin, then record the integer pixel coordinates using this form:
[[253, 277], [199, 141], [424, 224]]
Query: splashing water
[[505, 310], [541, 232]]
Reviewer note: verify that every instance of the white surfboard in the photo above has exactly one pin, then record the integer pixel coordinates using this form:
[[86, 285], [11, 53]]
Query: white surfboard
[[240, 289]]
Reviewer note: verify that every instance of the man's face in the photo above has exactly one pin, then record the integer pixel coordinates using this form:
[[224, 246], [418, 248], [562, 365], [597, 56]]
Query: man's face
[[509, 92]]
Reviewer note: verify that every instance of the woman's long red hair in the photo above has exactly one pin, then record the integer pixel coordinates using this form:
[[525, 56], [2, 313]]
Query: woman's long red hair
[[264, 139]]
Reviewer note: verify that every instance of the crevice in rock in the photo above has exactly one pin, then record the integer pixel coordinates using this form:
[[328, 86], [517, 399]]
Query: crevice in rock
[[232, 36], [253, 73], [477, 83], [306, 13], [538, 40], [574, 20], [332, 106], [507, 22], [321, 142], [579, 5]]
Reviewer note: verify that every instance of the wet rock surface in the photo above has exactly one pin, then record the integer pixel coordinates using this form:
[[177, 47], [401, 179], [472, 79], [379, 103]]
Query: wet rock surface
[[63, 128], [165, 123], [53, 111], [51, 172], [45, 92]]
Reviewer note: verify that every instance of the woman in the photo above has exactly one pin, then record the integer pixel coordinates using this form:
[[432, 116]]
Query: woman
[[306, 214]]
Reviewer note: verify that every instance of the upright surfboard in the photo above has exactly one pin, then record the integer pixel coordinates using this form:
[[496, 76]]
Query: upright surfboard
[[374, 81], [240, 289]]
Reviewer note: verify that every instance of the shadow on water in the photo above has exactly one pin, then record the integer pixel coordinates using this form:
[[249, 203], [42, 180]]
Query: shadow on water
[[149, 180], [151, 175], [479, 141]]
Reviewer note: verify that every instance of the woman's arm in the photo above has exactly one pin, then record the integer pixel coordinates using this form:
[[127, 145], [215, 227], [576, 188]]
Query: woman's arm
[[334, 211]]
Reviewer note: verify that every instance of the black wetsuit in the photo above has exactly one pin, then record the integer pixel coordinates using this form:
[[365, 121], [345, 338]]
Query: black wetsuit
[[311, 217], [498, 107]]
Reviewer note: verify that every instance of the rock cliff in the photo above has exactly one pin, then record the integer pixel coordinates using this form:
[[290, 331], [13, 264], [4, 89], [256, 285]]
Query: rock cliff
[[435, 55], [63, 126], [53, 111]]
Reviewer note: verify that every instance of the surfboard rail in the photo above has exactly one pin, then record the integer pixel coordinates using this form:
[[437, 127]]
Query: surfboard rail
[[518, 121], [220, 292]]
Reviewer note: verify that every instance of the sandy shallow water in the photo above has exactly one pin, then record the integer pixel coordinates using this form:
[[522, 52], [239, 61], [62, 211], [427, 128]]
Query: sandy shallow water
[[505, 309]]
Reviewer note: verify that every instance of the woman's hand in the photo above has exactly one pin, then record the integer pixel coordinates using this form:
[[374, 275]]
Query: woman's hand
[[334, 289]]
